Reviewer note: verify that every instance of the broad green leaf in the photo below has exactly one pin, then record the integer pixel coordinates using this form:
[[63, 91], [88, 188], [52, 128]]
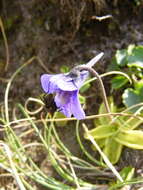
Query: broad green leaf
[[130, 49], [135, 58], [132, 123], [134, 96], [119, 81], [100, 142], [113, 66], [136, 71], [96, 122], [121, 57], [139, 88], [130, 98], [112, 150], [102, 131], [132, 139]]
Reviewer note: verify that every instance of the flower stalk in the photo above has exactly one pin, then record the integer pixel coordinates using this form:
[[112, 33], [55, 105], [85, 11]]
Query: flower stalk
[[95, 74]]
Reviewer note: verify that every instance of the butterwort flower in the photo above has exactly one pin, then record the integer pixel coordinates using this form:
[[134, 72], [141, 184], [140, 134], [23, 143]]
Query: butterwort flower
[[66, 88]]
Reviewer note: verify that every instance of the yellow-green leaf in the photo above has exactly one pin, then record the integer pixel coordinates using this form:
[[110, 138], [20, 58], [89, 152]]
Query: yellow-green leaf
[[132, 123], [112, 150], [106, 119], [132, 139], [59, 115], [102, 131], [127, 173], [100, 142]]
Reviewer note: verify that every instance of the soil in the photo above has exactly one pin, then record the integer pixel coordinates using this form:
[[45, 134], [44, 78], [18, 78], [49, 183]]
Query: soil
[[64, 33]]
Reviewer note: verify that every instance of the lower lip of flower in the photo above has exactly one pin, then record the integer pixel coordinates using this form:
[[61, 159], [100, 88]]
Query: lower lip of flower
[[64, 97]]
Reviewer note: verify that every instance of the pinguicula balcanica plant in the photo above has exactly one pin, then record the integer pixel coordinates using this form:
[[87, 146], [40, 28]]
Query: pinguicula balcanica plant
[[66, 87]]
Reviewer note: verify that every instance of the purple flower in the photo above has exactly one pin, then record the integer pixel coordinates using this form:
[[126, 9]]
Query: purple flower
[[66, 88]]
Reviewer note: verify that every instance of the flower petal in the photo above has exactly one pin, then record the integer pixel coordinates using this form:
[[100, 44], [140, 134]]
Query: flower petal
[[68, 103], [45, 82], [48, 83], [63, 102], [66, 110], [64, 82], [76, 108], [47, 86], [62, 98]]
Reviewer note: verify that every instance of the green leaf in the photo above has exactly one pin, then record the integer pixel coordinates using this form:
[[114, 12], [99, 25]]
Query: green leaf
[[121, 57], [100, 142], [96, 122], [119, 81], [113, 66], [113, 150], [139, 88], [61, 116], [134, 96], [132, 123], [127, 173], [136, 71], [130, 98], [64, 69], [135, 58], [132, 139], [102, 131], [106, 119], [82, 99]]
